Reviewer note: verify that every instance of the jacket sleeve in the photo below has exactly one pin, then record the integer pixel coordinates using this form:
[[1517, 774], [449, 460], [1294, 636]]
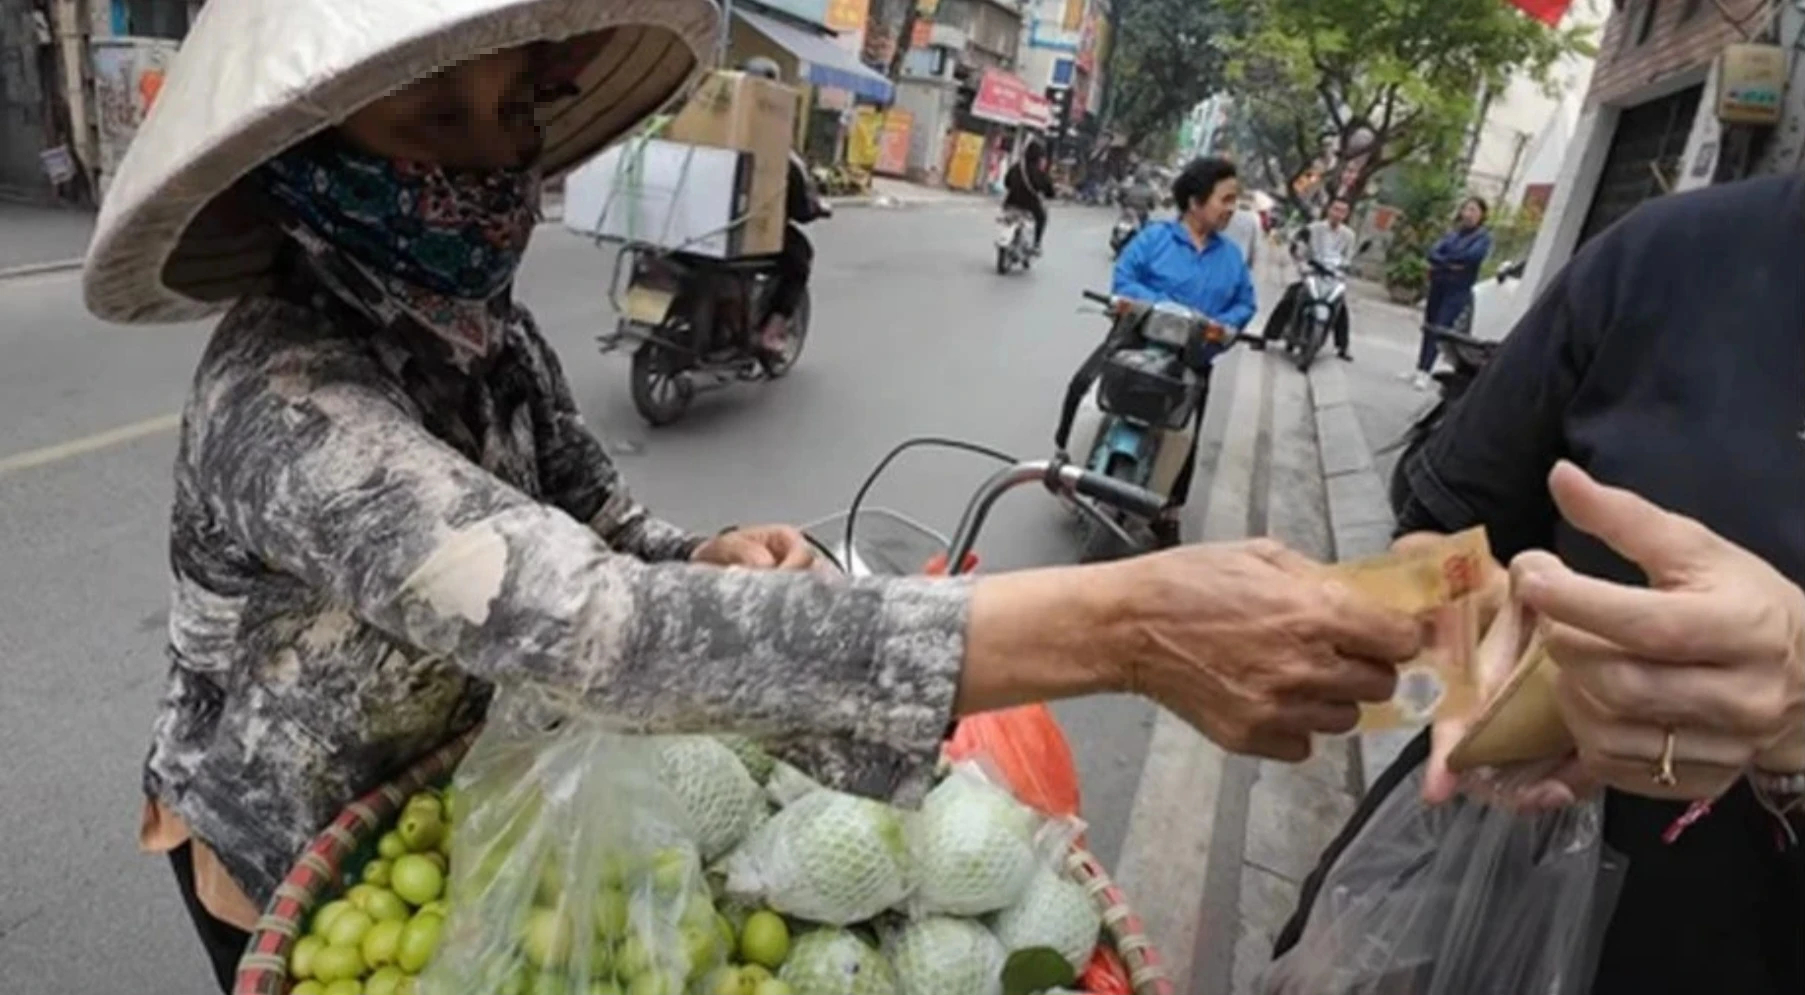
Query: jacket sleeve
[[1438, 253], [1473, 251], [577, 475], [320, 471], [1134, 273], [1242, 307]]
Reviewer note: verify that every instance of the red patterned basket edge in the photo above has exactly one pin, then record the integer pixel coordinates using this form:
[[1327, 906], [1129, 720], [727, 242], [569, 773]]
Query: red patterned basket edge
[[264, 968]]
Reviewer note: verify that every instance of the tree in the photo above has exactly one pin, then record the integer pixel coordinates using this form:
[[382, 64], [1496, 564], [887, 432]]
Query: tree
[[1170, 56], [1392, 80]]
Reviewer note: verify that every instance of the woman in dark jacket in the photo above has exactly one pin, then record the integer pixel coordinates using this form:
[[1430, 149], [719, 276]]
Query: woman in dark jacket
[[1453, 269]]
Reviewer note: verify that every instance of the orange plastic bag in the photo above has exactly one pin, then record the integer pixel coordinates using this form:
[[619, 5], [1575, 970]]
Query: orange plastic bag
[[1105, 975], [1029, 750]]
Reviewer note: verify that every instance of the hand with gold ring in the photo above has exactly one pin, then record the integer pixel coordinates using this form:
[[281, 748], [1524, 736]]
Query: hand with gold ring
[[1677, 689]]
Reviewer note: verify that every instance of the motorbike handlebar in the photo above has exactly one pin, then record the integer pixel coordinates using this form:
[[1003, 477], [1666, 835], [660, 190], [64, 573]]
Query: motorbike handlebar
[[1092, 295], [1106, 490]]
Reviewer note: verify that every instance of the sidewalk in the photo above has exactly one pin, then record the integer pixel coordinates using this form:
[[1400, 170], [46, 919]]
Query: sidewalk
[[893, 193], [42, 239]]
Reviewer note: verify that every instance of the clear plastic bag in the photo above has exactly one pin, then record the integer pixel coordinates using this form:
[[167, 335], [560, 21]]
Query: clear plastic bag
[[1458, 899], [577, 864]]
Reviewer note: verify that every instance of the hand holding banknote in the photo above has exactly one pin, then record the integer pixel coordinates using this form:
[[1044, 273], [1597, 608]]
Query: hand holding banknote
[[1258, 647]]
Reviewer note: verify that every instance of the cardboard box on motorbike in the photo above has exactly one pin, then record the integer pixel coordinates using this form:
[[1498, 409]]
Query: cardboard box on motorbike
[[734, 110], [712, 183]]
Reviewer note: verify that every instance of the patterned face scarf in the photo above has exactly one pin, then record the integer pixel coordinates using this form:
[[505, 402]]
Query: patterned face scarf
[[407, 240]]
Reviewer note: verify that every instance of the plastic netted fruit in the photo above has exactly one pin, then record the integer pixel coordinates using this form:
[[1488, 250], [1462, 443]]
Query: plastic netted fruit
[[1054, 912], [974, 848], [722, 800], [829, 858], [944, 956], [836, 962]]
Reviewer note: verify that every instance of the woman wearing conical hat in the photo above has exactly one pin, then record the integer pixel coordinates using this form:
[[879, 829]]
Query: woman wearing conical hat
[[387, 504]]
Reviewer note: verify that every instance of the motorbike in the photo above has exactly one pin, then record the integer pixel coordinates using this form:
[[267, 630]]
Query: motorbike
[[1321, 302], [1014, 241], [1467, 357], [692, 322], [1128, 225], [1151, 375]]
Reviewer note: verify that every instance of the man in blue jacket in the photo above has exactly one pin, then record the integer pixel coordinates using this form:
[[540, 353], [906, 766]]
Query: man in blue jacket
[[1190, 262]]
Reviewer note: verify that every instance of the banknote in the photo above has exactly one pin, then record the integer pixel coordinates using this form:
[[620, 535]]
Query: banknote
[[1434, 583]]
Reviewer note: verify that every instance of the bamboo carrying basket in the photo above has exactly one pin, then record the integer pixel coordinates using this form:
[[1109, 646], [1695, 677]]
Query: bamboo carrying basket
[[316, 879]]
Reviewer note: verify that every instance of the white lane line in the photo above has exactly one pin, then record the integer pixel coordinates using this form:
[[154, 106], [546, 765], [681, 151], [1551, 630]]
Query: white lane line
[[61, 451], [1165, 854]]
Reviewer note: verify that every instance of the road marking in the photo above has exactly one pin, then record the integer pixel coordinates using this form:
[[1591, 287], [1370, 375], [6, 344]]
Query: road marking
[[88, 444]]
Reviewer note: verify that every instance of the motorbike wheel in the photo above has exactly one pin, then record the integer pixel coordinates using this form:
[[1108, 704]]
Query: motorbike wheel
[[661, 392], [1315, 334], [781, 365], [1102, 545], [1002, 261], [1399, 489]]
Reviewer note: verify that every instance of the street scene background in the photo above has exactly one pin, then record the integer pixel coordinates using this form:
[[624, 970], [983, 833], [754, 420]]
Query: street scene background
[[913, 334]]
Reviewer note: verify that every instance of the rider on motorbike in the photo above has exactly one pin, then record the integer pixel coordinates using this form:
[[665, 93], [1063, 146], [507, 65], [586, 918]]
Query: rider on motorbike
[[1025, 184], [1189, 262], [797, 259], [1328, 239], [1140, 195]]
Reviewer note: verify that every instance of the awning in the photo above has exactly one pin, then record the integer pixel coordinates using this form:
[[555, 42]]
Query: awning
[[823, 63]]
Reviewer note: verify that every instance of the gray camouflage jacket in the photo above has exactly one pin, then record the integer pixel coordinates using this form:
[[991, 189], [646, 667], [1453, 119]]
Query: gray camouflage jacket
[[365, 541]]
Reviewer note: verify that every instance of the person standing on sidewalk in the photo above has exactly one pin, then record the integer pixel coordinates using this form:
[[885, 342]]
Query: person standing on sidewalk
[[1453, 270]]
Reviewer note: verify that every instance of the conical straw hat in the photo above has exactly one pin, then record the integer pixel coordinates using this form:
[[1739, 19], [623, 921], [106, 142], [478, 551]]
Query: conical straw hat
[[175, 242]]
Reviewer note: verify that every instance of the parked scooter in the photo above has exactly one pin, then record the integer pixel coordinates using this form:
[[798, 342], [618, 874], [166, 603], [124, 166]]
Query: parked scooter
[[1321, 302], [1014, 241], [1151, 375], [694, 321], [1467, 357]]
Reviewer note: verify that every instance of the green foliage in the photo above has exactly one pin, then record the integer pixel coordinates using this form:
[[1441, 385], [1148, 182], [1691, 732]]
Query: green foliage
[[1425, 195], [1410, 70], [1169, 56]]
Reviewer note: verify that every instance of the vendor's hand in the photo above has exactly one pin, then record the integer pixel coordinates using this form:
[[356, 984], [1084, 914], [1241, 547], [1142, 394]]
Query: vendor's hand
[[1255, 647], [761, 547], [1713, 651]]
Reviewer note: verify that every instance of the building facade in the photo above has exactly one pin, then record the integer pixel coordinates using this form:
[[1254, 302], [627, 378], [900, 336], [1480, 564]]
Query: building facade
[[1649, 123]]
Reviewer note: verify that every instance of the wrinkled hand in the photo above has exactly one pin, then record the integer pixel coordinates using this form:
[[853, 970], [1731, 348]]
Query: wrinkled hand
[[1254, 646], [1713, 650], [761, 547]]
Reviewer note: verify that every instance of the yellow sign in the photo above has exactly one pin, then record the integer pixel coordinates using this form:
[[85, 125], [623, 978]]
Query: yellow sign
[[1074, 15], [968, 155], [847, 15], [865, 140]]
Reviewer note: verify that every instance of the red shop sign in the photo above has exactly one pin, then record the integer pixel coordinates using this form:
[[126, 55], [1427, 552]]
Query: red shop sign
[[1002, 97]]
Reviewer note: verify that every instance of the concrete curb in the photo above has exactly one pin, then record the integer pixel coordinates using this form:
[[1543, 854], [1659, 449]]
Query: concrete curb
[[1360, 519]]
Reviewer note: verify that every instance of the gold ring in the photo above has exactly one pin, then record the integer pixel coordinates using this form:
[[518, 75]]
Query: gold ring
[[1663, 773]]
